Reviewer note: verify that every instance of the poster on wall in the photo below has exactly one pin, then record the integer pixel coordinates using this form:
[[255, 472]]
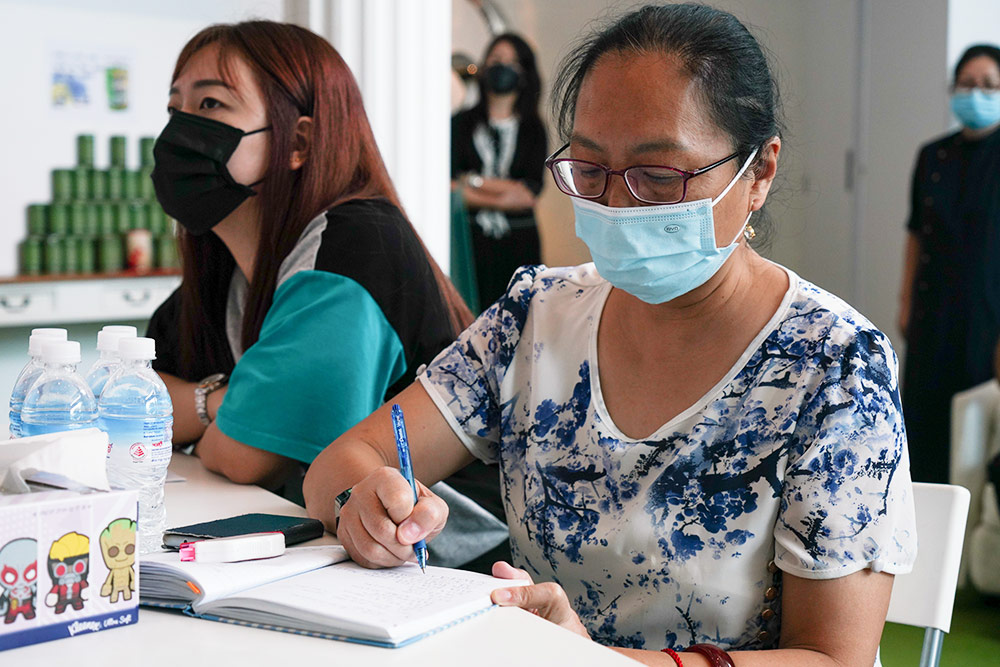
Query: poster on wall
[[89, 81]]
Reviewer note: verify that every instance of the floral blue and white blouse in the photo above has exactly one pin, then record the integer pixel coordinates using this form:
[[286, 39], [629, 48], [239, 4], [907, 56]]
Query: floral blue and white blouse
[[795, 461]]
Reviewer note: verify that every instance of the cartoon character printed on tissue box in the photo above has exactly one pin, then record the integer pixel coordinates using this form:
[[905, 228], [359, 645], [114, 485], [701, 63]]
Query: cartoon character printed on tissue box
[[118, 549], [18, 574], [69, 565]]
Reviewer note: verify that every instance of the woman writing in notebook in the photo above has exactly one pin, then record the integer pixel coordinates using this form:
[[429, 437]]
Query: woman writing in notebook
[[304, 285], [699, 449]]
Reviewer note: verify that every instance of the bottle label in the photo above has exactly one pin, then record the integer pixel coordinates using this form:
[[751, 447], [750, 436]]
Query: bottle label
[[139, 442]]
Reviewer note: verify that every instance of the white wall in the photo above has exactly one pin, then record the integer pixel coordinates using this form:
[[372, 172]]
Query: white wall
[[37, 137], [819, 220], [909, 103], [971, 22], [856, 251]]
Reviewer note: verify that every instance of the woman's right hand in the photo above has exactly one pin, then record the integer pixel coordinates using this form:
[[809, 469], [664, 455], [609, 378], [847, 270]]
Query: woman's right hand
[[379, 524]]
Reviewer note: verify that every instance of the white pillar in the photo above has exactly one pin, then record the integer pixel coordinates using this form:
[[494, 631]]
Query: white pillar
[[400, 53]]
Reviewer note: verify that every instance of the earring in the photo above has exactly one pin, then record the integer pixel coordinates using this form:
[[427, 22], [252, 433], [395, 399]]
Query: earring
[[749, 233]]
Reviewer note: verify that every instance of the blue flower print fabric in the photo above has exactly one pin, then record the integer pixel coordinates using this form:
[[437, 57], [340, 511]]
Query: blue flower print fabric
[[794, 462]]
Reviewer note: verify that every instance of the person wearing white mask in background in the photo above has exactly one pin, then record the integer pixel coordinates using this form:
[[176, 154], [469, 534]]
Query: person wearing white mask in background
[[950, 293], [700, 451]]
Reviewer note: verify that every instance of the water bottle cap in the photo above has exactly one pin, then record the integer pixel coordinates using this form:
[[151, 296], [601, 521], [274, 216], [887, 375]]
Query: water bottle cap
[[132, 349], [47, 332], [60, 352], [109, 337], [121, 328], [38, 335]]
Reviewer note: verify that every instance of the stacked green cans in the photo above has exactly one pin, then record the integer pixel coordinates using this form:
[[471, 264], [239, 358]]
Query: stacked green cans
[[100, 221]]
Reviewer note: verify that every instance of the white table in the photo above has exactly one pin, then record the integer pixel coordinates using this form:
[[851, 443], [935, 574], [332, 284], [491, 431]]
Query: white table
[[501, 637]]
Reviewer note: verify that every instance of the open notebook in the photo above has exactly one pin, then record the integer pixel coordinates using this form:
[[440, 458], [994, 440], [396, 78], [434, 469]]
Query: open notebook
[[316, 591]]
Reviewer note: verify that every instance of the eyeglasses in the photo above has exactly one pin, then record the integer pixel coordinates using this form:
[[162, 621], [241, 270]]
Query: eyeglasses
[[650, 184]]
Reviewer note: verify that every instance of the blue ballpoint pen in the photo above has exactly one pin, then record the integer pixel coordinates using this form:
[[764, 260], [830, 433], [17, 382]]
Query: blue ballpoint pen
[[403, 449]]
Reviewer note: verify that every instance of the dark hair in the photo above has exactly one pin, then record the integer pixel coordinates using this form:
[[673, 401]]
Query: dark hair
[[726, 62], [300, 74], [530, 91], [975, 51]]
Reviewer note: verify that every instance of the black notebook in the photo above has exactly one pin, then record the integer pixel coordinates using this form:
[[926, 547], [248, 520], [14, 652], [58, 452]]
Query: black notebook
[[295, 529]]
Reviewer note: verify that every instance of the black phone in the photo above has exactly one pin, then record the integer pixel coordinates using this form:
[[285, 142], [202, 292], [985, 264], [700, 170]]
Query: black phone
[[295, 529]]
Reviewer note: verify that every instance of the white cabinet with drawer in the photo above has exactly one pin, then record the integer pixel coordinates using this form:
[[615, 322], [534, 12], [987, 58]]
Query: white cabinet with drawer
[[62, 302], [26, 303]]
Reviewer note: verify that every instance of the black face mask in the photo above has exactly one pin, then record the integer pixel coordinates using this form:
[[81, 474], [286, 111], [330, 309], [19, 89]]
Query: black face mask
[[190, 176], [502, 79]]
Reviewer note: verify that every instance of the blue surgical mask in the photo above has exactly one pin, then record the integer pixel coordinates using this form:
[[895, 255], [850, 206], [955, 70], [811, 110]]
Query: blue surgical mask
[[655, 253], [976, 109]]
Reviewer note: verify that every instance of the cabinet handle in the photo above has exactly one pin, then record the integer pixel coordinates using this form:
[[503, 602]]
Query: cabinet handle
[[14, 305], [136, 298]]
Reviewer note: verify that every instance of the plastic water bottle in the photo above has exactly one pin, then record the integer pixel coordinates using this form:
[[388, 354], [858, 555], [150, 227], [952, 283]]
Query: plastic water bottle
[[29, 374], [59, 400], [138, 417], [108, 360]]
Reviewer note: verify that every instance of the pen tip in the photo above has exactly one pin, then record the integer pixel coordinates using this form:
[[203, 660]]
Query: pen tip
[[423, 569]]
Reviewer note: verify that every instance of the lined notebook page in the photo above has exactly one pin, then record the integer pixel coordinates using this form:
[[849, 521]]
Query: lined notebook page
[[396, 604]]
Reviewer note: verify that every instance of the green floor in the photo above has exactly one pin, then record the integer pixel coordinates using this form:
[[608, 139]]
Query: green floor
[[974, 639]]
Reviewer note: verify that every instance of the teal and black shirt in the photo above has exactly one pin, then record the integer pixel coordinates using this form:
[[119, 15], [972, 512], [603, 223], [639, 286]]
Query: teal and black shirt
[[355, 313], [356, 310]]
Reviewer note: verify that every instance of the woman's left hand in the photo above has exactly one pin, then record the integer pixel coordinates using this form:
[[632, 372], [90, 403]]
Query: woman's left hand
[[546, 600]]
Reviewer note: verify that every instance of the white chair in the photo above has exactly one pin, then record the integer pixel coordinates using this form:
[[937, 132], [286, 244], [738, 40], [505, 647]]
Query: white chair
[[926, 596], [975, 438]]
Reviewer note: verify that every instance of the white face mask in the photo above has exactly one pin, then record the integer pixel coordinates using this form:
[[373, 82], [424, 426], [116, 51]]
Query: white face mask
[[656, 253]]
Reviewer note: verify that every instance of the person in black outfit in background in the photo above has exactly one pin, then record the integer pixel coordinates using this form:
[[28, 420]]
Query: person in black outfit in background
[[498, 151], [950, 302]]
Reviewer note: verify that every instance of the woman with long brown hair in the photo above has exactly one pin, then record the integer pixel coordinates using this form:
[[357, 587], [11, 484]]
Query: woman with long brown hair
[[307, 297]]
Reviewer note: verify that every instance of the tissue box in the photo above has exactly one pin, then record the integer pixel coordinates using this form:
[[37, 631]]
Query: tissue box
[[68, 559], [68, 565]]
